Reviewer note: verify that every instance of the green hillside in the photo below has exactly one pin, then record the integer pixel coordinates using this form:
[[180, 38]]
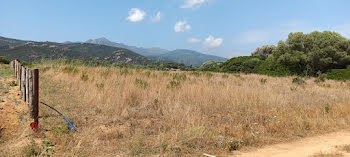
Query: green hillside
[[187, 57], [34, 51]]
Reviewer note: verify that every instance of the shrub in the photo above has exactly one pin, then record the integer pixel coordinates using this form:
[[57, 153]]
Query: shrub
[[326, 108], [124, 71], [233, 145], [179, 77], [272, 67], [293, 88], [98, 110], [141, 83], [298, 80], [339, 74], [209, 74], [173, 84], [263, 81], [47, 149], [4, 60], [225, 76], [100, 85], [62, 129], [320, 77], [31, 149], [84, 76], [246, 64], [13, 83], [70, 69], [148, 73], [195, 73], [136, 145]]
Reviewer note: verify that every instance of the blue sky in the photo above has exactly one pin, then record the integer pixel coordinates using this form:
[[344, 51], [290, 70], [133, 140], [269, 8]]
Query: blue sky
[[220, 27]]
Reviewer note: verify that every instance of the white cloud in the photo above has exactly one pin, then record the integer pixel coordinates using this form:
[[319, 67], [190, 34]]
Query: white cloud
[[212, 42], [193, 40], [193, 4], [157, 17], [182, 26], [136, 15]]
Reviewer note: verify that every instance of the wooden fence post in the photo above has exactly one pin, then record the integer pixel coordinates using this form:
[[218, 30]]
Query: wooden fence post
[[20, 79], [23, 84], [15, 68], [30, 93], [27, 86], [36, 96]]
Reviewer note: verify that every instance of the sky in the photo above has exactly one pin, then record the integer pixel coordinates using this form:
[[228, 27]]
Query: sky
[[226, 28]]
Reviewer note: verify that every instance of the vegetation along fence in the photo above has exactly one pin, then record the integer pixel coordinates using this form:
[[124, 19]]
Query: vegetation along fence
[[28, 81]]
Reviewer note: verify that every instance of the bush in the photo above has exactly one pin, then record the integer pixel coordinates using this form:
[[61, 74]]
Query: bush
[[174, 84], [84, 76], [13, 83], [298, 80], [141, 83], [272, 67], [263, 81], [62, 129], [4, 60], [320, 77], [179, 77], [70, 69], [31, 149], [246, 64], [339, 74]]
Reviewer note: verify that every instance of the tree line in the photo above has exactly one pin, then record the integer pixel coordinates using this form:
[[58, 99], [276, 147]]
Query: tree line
[[301, 54]]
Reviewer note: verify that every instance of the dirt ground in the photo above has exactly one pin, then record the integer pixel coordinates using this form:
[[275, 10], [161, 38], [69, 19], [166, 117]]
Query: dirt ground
[[14, 119], [304, 147]]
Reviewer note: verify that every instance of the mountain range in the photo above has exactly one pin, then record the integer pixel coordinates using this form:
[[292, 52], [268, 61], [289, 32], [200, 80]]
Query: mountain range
[[35, 51], [100, 49], [187, 57]]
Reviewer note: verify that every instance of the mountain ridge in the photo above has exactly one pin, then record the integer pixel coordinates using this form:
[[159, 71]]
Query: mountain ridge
[[185, 56], [35, 51]]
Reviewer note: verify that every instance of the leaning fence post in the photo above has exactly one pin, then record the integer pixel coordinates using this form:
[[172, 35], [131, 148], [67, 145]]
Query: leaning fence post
[[36, 96]]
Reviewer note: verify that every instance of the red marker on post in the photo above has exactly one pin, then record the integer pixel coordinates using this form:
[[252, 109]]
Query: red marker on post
[[34, 126]]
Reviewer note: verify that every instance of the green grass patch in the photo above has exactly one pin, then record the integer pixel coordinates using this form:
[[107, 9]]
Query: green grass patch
[[5, 71], [62, 129], [339, 74]]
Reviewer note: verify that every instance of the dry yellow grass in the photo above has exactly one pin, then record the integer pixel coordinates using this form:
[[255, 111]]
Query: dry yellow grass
[[331, 154], [345, 148], [138, 112]]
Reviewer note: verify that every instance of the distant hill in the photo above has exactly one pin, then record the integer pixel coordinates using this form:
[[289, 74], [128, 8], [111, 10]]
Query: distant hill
[[11, 42], [34, 51], [188, 57], [141, 51]]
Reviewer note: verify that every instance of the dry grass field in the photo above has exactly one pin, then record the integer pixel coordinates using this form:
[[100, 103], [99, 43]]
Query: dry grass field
[[132, 112]]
